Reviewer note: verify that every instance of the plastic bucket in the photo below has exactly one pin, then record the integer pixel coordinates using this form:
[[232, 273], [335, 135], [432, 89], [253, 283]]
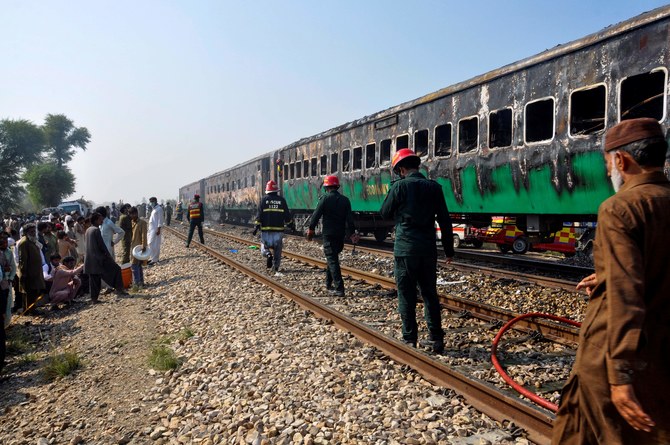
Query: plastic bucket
[[126, 275]]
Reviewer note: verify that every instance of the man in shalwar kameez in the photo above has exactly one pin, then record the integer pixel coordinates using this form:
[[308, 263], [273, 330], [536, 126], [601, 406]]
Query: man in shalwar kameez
[[155, 223], [619, 389]]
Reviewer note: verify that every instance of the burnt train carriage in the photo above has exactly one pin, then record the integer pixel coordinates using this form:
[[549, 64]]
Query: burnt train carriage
[[523, 140], [187, 192]]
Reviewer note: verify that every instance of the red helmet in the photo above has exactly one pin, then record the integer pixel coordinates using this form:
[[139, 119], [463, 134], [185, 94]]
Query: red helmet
[[331, 181], [401, 154], [196, 196], [271, 186]]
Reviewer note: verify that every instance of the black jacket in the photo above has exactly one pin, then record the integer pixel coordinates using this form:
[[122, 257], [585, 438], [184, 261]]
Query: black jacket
[[337, 216], [273, 213]]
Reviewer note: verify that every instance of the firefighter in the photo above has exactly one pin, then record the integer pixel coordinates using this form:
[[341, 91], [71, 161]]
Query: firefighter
[[273, 216], [338, 221], [414, 202], [196, 215]]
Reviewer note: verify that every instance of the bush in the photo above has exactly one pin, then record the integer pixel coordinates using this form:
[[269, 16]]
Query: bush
[[163, 358]]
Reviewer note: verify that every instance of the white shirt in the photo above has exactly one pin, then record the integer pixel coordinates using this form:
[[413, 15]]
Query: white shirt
[[156, 218], [108, 229]]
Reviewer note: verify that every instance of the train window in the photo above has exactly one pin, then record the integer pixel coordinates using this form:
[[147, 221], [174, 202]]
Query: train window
[[239, 184], [305, 168], [370, 156], [291, 171], [358, 158], [333, 163], [468, 134], [443, 140], [643, 95], [587, 110], [324, 165], [385, 155], [313, 166], [285, 171], [233, 186], [402, 142], [298, 169], [346, 160], [421, 142], [253, 180], [500, 128], [245, 182], [539, 120]]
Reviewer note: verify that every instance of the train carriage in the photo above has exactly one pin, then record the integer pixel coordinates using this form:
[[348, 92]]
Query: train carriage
[[523, 140]]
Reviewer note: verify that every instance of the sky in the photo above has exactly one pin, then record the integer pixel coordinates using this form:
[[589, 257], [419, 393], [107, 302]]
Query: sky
[[173, 91]]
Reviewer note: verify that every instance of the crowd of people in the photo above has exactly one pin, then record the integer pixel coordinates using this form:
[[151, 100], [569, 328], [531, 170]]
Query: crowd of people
[[48, 263]]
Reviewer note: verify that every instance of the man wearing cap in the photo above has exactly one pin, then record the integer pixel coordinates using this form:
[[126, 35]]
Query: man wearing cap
[[415, 202], [619, 388], [273, 215], [195, 215], [338, 222], [155, 224]]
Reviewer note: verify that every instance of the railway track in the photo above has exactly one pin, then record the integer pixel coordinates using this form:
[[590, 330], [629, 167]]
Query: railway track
[[482, 395], [485, 312]]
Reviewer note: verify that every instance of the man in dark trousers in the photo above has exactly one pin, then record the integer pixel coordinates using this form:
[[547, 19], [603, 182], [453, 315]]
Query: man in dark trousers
[[31, 277], [338, 222], [273, 215], [619, 389], [414, 202], [196, 215], [98, 262]]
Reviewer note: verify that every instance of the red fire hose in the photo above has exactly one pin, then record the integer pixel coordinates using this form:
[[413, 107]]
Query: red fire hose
[[520, 389]]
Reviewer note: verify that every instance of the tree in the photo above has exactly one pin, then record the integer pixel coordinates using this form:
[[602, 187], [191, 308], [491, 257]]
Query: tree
[[48, 184], [62, 137], [21, 146]]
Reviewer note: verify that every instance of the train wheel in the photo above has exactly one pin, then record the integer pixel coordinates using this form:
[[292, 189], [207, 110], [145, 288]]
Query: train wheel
[[478, 243], [457, 241], [503, 248], [380, 235], [520, 245]]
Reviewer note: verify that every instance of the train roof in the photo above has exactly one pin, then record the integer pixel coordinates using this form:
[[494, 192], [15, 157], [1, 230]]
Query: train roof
[[558, 51], [241, 164]]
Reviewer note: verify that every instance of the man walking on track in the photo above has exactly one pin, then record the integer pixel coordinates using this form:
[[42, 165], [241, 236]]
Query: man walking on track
[[195, 215], [338, 221], [619, 389], [414, 202], [155, 224], [273, 215]]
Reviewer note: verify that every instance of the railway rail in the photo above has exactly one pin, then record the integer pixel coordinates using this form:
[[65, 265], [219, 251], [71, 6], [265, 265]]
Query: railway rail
[[485, 397], [485, 312]]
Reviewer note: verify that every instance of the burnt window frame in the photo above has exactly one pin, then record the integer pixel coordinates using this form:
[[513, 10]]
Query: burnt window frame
[[665, 91], [285, 168], [334, 156], [402, 135], [313, 170], [360, 158], [253, 180], [488, 129], [349, 152], [553, 120], [586, 88], [458, 136], [323, 166], [305, 168], [427, 142], [382, 162], [298, 169], [451, 140], [374, 155]]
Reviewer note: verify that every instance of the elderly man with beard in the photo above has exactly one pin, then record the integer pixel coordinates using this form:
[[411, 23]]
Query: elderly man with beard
[[31, 278], [620, 382]]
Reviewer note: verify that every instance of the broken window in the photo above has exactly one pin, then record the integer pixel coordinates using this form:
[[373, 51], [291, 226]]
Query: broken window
[[298, 169], [333, 163], [245, 182], [370, 156], [539, 121], [468, 134], [346, 158], [239, 184], [358, 158], [443, 140], [291, 168], [421, 142], [313, 166], [643, 96], [305, 168], [401, 142], [285, 171], [587, 111], [324, 165], [253, 180], [385, 156], [500, 128]]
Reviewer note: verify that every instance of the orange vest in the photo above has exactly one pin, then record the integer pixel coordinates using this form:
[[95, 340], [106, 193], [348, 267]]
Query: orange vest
[[194, 210]]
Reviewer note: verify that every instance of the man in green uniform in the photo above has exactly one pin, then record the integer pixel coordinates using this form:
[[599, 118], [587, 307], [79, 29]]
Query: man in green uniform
[[338, 222], [414, 202]]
